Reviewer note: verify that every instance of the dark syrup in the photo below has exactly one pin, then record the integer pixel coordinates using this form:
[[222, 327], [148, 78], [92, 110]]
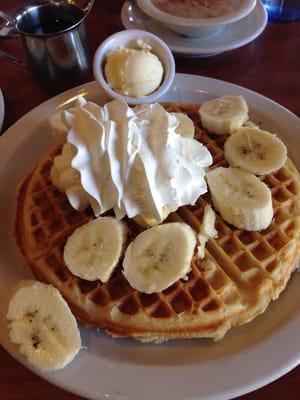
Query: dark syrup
[[49, 18]]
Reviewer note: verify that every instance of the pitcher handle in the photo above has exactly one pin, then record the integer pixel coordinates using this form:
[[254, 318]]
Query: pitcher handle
[[9, 31], [88, 7]]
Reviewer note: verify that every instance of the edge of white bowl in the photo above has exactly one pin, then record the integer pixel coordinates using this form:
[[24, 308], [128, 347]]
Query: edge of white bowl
[[114, 41]]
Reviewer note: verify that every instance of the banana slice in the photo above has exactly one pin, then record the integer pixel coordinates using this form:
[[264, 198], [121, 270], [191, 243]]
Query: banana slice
[[224, 115], [59, 127], [93, 250], [159, 256], [186, 126], [207, 230], [255, 150], [147, 222], [42, 324], [250, 124], [241, 198]]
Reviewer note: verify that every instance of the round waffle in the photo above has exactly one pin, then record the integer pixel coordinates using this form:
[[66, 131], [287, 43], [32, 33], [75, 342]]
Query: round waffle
[[236, 280]]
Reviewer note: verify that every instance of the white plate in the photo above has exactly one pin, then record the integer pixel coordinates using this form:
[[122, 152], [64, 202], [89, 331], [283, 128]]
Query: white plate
[[248, 358], [230, 37], [2, 109]]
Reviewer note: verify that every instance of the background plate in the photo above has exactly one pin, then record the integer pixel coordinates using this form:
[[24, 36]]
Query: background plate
[[249, 357], [231, 37]]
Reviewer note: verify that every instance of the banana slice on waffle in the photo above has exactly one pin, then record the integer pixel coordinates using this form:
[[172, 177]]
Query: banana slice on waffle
[[160, 256], [241, 198], [224, 115], [93, 250], [255, 150], [185, 127]]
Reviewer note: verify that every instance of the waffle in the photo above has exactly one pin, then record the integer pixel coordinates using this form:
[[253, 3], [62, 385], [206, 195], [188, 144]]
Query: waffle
[[240, 274]]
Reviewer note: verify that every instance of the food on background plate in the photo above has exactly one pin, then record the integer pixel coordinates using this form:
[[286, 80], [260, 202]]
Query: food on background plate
[[134, 72], [241, 270], [198, 8]]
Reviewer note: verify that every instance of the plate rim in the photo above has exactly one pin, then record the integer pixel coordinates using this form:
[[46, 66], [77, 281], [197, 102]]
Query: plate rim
[[61, 99], [2, 110], [198, 52]]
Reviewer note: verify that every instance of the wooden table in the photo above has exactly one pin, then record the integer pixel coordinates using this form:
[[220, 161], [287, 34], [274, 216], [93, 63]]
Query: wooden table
[[270, 65]]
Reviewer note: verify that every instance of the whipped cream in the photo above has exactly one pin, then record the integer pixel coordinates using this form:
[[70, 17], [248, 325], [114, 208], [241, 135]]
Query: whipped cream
[[127, 159]]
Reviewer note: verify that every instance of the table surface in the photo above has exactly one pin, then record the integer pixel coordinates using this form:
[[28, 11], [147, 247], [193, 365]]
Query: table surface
[[270, 65]]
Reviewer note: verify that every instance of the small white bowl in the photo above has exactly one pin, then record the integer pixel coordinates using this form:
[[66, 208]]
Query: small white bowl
[[194, 27], [128, 39]]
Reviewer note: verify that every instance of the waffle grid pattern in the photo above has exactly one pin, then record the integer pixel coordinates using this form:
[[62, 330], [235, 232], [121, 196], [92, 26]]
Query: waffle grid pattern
[[241, 272]]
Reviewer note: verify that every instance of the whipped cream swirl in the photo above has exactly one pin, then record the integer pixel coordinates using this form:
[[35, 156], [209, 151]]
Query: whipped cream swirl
[[127, 159]]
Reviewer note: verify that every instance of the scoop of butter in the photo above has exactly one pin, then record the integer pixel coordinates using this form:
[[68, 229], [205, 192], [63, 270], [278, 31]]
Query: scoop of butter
[[133, 72]]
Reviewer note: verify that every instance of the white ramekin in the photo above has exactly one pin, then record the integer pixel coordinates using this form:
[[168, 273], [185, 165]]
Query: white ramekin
[[195, 27], [128, 39]]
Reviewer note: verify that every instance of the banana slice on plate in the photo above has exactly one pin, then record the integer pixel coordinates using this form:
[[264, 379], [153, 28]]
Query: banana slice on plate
[[159, 256], [93, 250], [241, 198], [255, 150], [224, 115], [186, 126], [42, 324]]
